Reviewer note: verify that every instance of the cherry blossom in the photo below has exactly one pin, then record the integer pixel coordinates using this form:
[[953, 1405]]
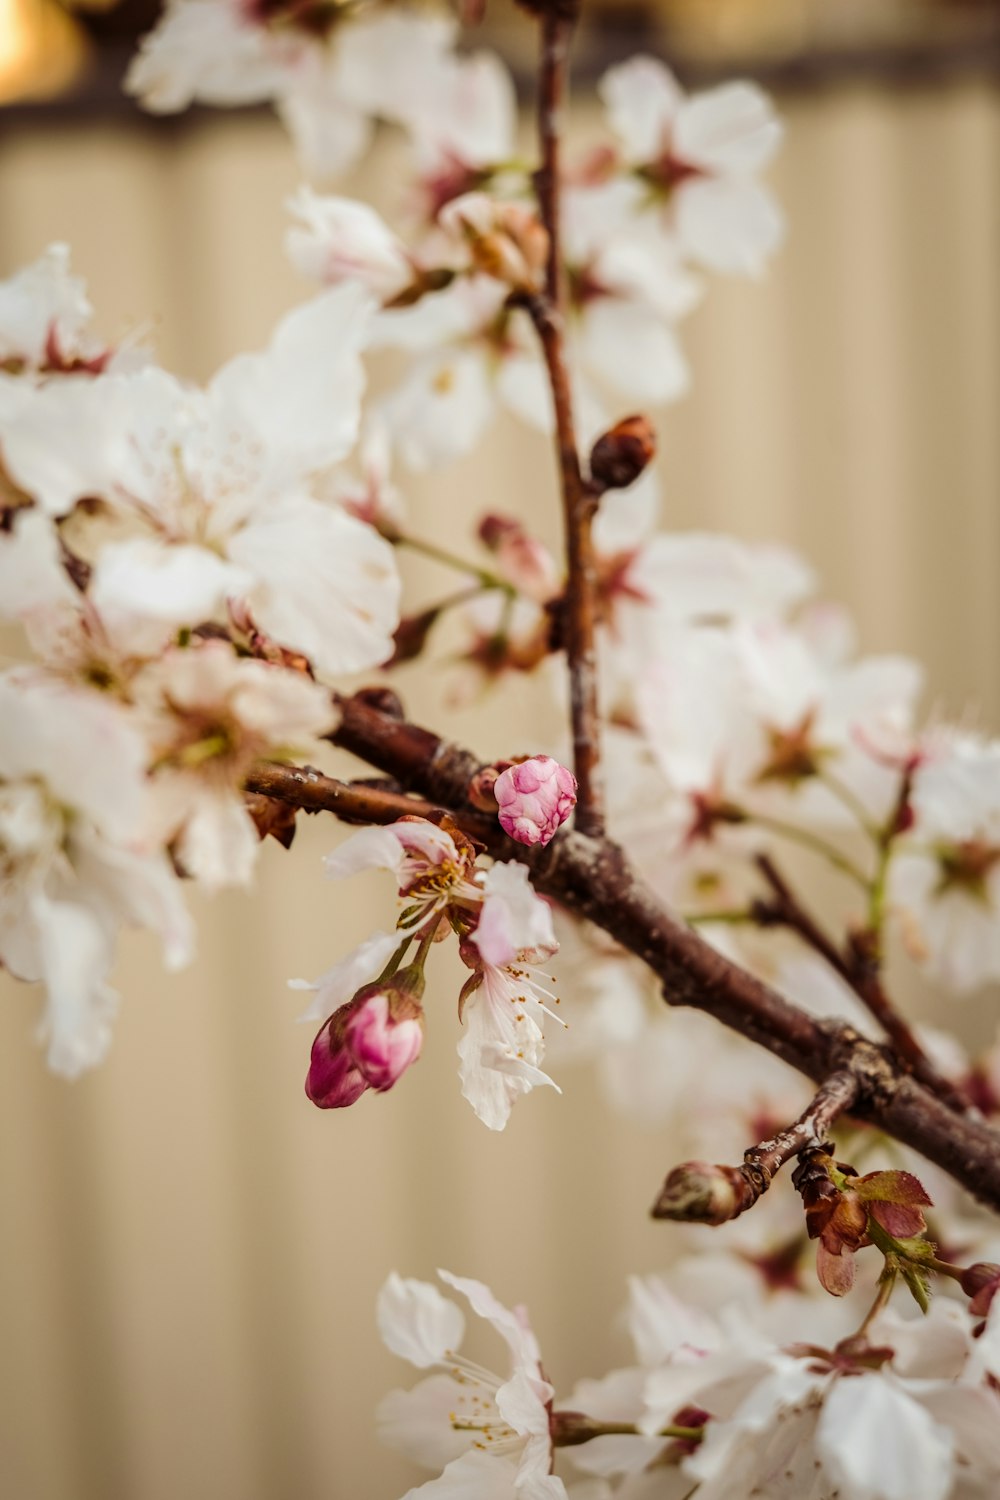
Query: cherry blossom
[[945, 877], [209, 715], [698, 155], [210, 491], [327, 80], [76, 859], [490, 1432]]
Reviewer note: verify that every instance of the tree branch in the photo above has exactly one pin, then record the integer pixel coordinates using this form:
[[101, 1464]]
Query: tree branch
[[593, 878], [858, 969], [547, 314], [699, 1193]]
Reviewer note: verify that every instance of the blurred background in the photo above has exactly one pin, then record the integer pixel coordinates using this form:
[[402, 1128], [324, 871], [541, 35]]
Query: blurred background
[[190, 1252]]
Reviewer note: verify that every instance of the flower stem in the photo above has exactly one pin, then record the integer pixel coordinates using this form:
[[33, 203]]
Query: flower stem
[[815, 843], [487, 578]]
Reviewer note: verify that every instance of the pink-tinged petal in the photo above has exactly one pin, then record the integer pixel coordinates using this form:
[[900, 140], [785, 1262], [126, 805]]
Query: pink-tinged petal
[[836, 1272], [535, 797], [514, 919]]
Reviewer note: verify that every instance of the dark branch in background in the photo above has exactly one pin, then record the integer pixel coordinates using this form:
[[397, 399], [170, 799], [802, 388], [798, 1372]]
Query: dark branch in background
[[860, 971], [547, 314], [699, 1193], [592, 878]]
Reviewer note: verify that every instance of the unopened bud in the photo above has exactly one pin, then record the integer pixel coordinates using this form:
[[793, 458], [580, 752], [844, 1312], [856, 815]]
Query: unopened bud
[[698, 1192], [367, 1043], [620, 454], [534, 797], [505, 240], [981, 1283]]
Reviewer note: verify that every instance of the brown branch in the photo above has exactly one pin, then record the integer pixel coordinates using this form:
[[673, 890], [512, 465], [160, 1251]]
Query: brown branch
[[700, 1193], [547, 314], [859, 969], [312, 791], [593, 878]]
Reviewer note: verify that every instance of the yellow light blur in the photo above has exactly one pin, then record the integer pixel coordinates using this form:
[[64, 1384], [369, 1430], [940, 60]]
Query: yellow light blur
[[41, 49]]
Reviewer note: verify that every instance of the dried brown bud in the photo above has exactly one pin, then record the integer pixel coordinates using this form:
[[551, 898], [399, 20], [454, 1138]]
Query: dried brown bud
[[411, 634], [271, 817], [620, 454], [698, 1192], [981, 1283], [480, 792], [383, 700]]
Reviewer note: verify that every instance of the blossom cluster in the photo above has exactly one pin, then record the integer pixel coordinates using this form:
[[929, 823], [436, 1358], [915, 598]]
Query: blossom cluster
[[180, 579], [717, 1405]]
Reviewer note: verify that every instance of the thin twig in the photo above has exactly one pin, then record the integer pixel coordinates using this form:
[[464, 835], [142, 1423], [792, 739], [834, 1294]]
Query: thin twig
[[697, 1192], [548, 315], [311, 790]]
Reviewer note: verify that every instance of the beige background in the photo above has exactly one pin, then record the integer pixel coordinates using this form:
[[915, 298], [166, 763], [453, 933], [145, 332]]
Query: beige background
[[190, 1252]]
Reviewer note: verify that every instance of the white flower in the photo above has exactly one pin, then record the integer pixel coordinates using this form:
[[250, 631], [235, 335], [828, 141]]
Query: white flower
[[211, 714], [503, 1043], [700, 154], [944, 880], [76, 863], [340, 239], [491, 1432], [327, 84], [44, 320], [210, 490]]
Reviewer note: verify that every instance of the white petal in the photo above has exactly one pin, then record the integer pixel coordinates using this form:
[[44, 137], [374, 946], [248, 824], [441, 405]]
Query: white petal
[[178, 585], [418, 1422], [729, 225], [728, 129], [341, 982], [327, 584], [880, 1444], [300, 399], [416, 1322], [474, 1476], [368, 849], [642, 98]]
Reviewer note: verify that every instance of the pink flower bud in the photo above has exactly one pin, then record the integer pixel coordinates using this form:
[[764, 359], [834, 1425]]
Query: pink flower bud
[[366, 1044], [384, 1036], [535, 797]]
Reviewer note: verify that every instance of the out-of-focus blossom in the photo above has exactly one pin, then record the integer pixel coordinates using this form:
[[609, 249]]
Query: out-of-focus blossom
[[698, 156], [209, 715], [210, 494], [328, 70], [535, 797], [341, 239], [490, 1433], [77, 863], [944, 880]]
